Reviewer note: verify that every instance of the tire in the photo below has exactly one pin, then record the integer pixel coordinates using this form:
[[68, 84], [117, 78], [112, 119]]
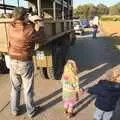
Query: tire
[[42, 73], [50, 73], [3, 67], [57, 62], [82, 33], [60, 56]]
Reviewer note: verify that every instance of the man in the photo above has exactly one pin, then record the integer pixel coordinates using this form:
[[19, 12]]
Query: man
[[95, 26], [21, 41]]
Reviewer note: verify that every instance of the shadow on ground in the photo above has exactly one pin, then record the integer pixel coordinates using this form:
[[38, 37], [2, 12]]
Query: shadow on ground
[[96, 56], [82, 104]]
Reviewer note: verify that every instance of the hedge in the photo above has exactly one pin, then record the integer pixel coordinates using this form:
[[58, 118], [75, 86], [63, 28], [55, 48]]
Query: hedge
[[110, 18]]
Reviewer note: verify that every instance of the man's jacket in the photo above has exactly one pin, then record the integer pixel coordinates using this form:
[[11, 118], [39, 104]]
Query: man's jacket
[[21, 40]]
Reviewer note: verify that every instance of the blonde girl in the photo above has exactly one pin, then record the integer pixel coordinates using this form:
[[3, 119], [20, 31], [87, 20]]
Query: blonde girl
[[70, 84]]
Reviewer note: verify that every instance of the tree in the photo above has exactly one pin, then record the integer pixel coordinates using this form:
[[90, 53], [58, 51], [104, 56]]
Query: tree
[[115, 9], [92, 12], [86, 8], [85, 11], [102, 9], [88, 11], [79, 11]]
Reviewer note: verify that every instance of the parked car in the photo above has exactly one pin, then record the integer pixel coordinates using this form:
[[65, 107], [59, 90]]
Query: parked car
[[78, 26], [85, 23]]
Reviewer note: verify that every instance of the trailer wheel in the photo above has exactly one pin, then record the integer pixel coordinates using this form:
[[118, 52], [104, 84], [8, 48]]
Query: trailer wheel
[[57, 62], [50, 73], [3, 67], [42, 73]]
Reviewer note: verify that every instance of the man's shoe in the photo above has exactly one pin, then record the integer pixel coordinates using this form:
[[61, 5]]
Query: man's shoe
[[70, 114], [15, 113], [35, 112], [65, 110], [31, 115]]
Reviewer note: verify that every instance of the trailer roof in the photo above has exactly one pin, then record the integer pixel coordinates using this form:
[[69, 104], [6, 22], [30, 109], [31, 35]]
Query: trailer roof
[[33, 0], [30, 0]]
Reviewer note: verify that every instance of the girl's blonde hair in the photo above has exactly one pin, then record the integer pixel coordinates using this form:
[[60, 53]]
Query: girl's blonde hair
[[116, 74], [70, 67], [70, 70]]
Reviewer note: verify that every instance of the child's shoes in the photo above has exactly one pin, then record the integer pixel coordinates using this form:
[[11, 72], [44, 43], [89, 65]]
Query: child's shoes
[[65, 110], [70, 114]]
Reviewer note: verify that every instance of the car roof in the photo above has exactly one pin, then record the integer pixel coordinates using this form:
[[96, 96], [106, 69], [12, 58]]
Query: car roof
[[76, 20]]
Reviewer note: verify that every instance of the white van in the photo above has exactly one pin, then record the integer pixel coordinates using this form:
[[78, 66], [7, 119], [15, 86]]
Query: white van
[[79, 29]]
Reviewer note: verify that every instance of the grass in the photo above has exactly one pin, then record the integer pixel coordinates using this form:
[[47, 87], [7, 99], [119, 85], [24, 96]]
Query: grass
[[112, 30]]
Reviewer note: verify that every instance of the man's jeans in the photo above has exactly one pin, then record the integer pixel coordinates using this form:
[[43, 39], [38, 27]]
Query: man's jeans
[[94, 32], [102, 115], [22, 73]]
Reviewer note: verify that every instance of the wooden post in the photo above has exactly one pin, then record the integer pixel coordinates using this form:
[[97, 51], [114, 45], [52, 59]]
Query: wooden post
[[39, 7], [54, 10], [62, 10], [4, 6], [68, 11], [18, 3]]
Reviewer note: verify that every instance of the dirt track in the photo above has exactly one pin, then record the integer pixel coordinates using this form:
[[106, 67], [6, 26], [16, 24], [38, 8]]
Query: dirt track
[[94, 58], [111, 28]]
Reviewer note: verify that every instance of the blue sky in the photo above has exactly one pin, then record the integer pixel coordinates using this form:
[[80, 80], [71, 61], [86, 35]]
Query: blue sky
[[106, 2], [75, 2], [14, 2]]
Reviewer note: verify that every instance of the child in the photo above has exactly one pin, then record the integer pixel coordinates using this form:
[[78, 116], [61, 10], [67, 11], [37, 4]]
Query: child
[[107, 94], [70, 84]]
